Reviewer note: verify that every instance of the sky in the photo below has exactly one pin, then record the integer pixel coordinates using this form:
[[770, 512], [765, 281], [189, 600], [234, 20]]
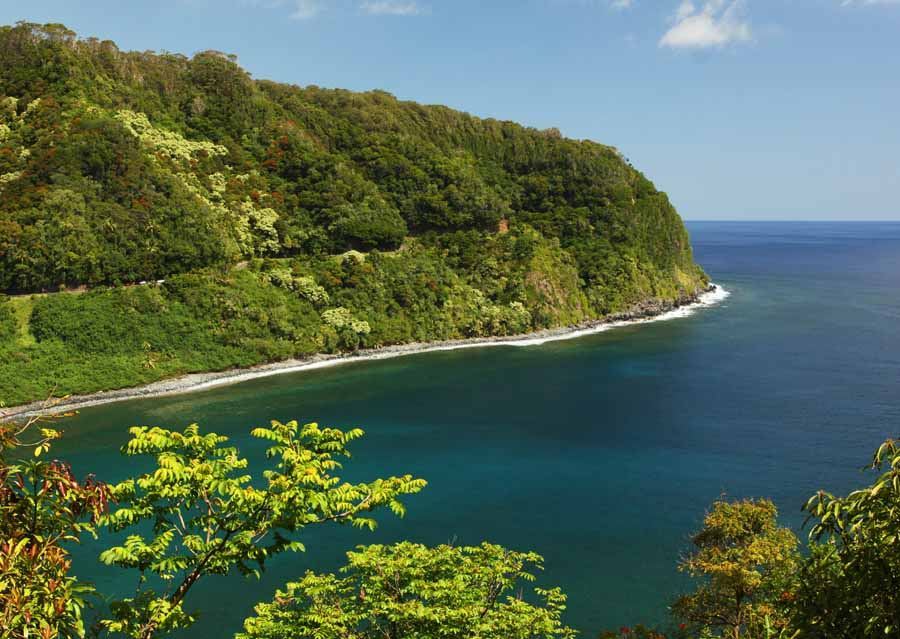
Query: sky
[[738, 109]]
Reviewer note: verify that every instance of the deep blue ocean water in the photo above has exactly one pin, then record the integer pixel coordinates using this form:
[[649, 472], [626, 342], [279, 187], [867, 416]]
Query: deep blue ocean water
[[600, 453]]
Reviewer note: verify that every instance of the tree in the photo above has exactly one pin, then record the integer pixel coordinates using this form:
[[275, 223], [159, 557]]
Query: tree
[[639, 631], [850, 585], [208, 517], [408, 591], [8, 322], [746, 562], [42, 506], [371, 223]]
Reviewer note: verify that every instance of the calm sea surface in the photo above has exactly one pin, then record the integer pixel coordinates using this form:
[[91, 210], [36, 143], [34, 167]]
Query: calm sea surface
[[600, 453]]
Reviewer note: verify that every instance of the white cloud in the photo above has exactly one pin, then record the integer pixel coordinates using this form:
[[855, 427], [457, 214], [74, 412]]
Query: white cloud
[[848, 3], [685, 9], [306, 9], [716, 24], [616, 5], [301, 9], [391, 8]]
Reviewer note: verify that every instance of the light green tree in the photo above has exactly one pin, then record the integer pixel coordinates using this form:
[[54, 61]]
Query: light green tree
[[850, 584], [410, 591], [208, 516]]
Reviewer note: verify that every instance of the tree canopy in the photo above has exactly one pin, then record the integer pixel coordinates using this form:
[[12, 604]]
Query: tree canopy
[[118, 168], [851, 583], [122, 166], [209, 516], [43, 509], [747, 562], [408, 590]]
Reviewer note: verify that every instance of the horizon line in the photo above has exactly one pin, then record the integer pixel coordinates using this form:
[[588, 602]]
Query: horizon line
[[793, 220]]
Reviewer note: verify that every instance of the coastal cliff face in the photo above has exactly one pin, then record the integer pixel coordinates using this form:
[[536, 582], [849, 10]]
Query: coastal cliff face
[[288, 220]]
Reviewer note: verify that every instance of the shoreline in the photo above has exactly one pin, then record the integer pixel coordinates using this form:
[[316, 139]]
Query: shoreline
[[643, 313]]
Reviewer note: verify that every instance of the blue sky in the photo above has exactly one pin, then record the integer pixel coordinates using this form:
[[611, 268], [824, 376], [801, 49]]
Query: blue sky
[[747, 109]]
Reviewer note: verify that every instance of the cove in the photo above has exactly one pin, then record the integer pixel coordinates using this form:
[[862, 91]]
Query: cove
[[600, 453]]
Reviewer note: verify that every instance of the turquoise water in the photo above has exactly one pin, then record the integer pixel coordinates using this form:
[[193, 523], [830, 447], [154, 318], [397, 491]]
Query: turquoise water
[[600, 453]]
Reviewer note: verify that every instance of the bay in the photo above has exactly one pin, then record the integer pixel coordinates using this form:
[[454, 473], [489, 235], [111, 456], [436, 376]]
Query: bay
[[600, 453]]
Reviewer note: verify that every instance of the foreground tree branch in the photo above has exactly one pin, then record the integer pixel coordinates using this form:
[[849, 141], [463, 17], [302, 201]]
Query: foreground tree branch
[[210, 517]]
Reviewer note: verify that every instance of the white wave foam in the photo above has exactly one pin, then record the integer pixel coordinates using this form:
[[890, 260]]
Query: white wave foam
[[706, 300], [191, 383]]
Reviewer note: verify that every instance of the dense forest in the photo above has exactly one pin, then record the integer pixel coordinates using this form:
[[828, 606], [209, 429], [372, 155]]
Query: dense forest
[[270, 221]]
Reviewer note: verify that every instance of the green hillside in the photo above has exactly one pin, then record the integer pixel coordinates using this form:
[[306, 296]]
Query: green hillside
[[287, 220]]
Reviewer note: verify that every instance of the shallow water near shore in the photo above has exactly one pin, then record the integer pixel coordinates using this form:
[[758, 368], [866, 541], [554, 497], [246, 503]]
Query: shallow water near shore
[[600, 452]]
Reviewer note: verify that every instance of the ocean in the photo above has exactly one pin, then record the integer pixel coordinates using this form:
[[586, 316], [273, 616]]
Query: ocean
[[600, 453]]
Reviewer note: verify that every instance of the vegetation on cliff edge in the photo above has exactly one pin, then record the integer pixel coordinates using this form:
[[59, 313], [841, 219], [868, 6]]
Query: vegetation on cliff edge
[[287, 220]]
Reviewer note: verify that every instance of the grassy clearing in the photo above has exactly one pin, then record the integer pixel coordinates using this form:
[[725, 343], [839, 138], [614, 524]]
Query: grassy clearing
[[21, 307]]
